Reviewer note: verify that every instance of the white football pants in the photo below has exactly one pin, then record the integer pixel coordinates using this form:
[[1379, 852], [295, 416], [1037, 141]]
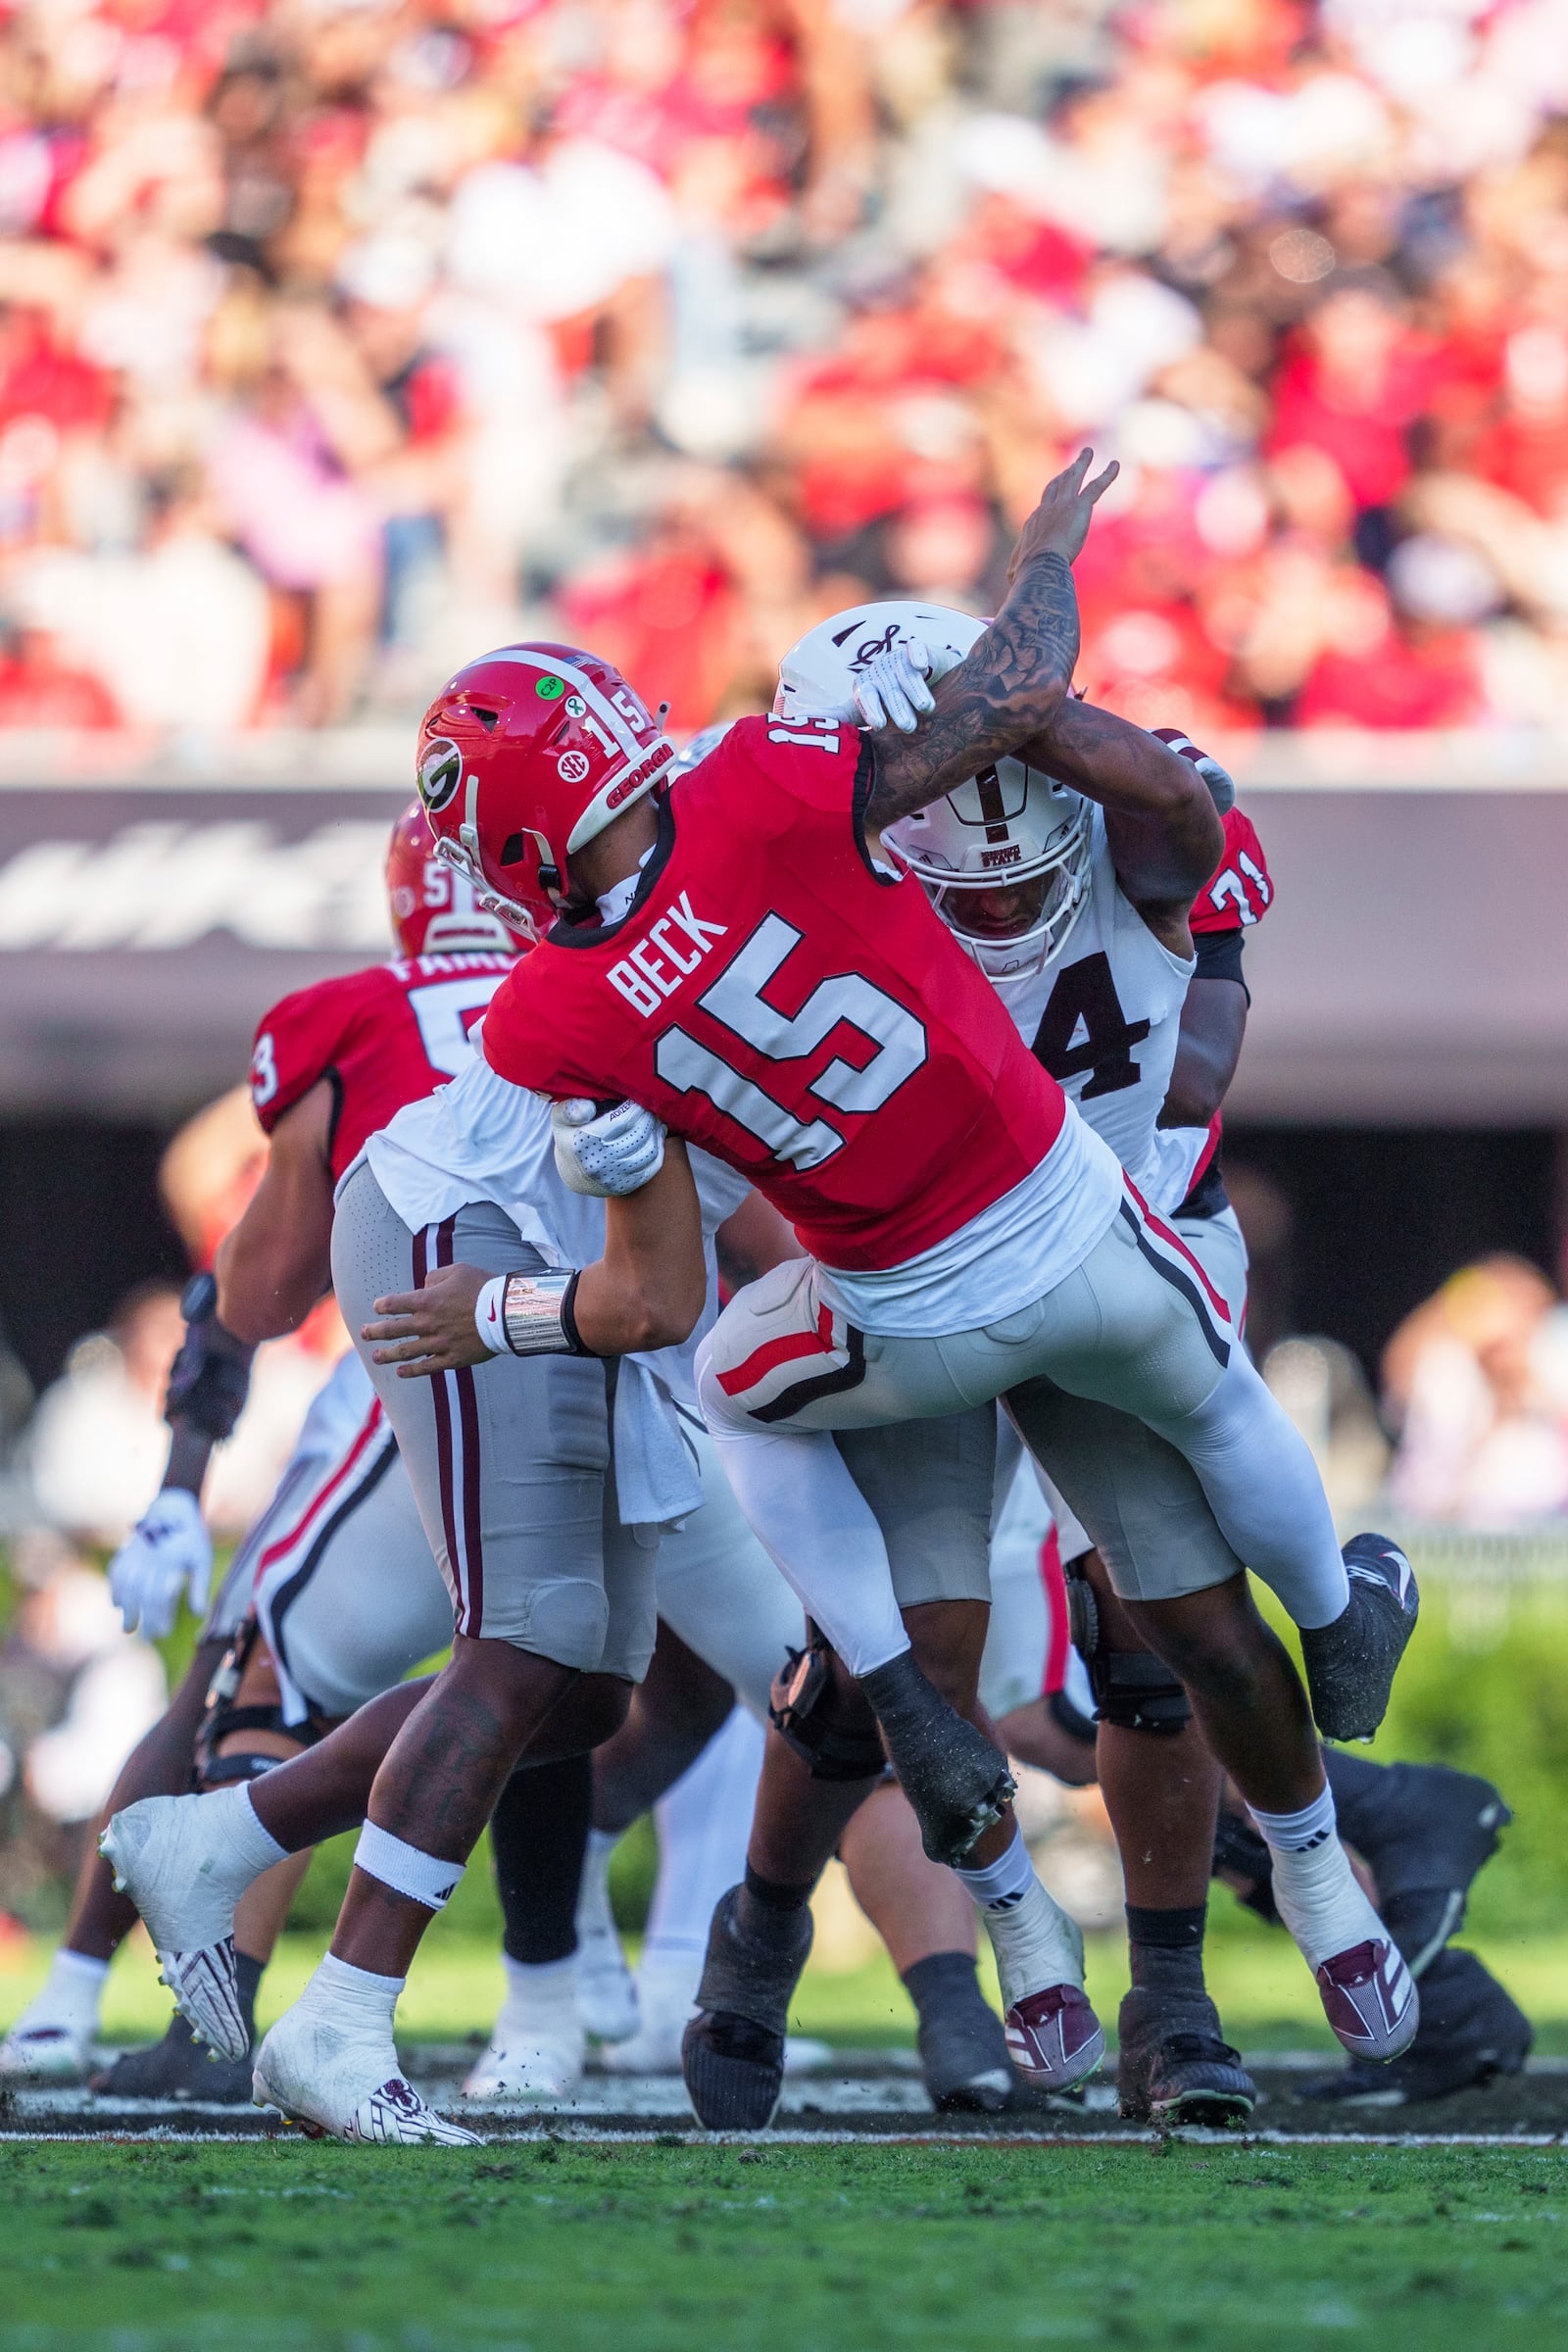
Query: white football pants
[[1136, 1327]]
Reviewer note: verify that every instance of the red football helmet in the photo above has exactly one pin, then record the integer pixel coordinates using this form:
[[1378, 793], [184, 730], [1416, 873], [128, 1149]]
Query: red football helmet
[[435, 912], [524, 755]]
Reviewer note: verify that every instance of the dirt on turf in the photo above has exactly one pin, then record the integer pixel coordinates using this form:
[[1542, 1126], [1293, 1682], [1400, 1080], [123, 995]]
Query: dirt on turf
[[859, 2096]]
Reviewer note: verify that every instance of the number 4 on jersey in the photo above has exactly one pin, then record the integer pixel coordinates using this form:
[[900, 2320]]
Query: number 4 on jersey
[[1084, 1028]]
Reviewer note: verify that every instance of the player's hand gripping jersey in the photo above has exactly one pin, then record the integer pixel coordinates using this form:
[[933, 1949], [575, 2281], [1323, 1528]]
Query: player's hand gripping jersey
[[800, 1014], [385, 1037]]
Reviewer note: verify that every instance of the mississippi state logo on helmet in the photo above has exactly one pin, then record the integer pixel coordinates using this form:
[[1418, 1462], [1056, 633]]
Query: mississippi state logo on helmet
[[1006, 856], [434, 909], [524, 757]]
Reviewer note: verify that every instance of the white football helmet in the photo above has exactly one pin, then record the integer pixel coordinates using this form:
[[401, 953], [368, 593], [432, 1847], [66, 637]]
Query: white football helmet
[[1004, 857], [705, 740]]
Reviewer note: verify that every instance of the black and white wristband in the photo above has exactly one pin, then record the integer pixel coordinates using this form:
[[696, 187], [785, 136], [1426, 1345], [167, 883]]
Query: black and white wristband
[[530, 1315]]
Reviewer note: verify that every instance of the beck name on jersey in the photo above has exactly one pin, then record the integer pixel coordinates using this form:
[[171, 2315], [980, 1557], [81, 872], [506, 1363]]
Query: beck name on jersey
[[800, 1015]]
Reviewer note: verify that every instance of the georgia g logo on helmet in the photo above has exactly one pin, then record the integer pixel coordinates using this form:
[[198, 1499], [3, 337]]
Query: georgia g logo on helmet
[[440, 773]]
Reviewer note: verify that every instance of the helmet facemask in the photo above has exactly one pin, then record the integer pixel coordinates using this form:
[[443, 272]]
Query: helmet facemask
[[1012, 929], [1006, 861]]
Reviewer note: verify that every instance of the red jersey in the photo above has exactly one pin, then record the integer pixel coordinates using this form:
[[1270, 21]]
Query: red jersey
[[777, 1000], [385, 1037], [1238, 894]]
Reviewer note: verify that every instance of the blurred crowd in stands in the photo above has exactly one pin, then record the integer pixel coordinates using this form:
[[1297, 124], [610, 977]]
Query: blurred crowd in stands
[[339, 336]]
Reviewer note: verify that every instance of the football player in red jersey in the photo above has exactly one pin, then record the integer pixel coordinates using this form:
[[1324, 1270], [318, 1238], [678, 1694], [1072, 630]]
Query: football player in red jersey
[[331, 1063], [969, 1236]]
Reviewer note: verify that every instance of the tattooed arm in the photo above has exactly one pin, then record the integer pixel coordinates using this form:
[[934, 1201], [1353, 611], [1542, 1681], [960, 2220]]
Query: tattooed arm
[[1011, 686], [1163, 830]]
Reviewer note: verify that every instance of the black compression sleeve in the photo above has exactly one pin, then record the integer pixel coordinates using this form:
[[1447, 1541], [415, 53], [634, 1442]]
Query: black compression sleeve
[[1219, 957]]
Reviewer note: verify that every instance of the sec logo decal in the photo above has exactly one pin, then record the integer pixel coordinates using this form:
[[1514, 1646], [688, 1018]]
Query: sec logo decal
[[573, 766]]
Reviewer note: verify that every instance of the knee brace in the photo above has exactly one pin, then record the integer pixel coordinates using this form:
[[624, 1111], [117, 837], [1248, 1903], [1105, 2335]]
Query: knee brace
[[1137, 1692], [221, 1717], [807, 1709], [1133, 1689]]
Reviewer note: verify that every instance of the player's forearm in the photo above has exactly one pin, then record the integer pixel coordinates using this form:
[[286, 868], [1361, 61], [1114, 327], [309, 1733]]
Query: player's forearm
[[189, 1452], [268, 1283], [649, 1288], [1165, 835], [1009, 690]]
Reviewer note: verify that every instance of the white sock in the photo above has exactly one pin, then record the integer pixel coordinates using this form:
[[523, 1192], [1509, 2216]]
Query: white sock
[[255, 1848], [1315, 1889], [534, 1991], [820, 1532], [1035, 1942], [353, 1999], [1264, 1489], [69, 1997], [593, 1900]]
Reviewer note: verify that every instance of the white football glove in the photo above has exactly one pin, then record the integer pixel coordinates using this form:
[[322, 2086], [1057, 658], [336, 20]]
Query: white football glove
[[1220, 782], [606, 1154], [893, 691], [170, 1552]]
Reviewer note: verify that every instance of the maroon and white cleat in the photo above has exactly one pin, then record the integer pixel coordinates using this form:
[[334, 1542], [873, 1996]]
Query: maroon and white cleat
[[1370, 1999], [1054, 2038]]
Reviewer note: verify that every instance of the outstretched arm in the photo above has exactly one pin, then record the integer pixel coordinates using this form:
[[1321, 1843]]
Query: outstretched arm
[[1011, 686], [1164, 832]]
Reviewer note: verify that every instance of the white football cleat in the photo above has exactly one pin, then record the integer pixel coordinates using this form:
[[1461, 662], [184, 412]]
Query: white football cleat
[[1054, 2037], [538, 2047], [665, 1996], [1370, 1999], [178, 1865], [345, 2086], [34, 2055], [1368, 1993]]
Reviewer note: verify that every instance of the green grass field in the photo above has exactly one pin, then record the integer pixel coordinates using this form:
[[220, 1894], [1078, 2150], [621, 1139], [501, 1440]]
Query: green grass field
[[671, 2249]]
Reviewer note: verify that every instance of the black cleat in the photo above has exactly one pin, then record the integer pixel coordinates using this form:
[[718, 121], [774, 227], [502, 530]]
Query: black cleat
[[962, 2045], [1175, 2066], [1350, 1663], [732, 2052], [1470, 2034], [734, 2071], [179, 2067], [1426, 1832], [954, 1778]]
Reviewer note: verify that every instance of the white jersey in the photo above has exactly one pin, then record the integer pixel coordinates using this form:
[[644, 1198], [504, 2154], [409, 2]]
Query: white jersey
[[483, 1139], [1104, 1016]]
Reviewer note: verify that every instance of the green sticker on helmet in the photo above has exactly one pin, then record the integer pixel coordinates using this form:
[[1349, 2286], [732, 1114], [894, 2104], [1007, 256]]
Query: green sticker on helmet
[[550, 690]]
